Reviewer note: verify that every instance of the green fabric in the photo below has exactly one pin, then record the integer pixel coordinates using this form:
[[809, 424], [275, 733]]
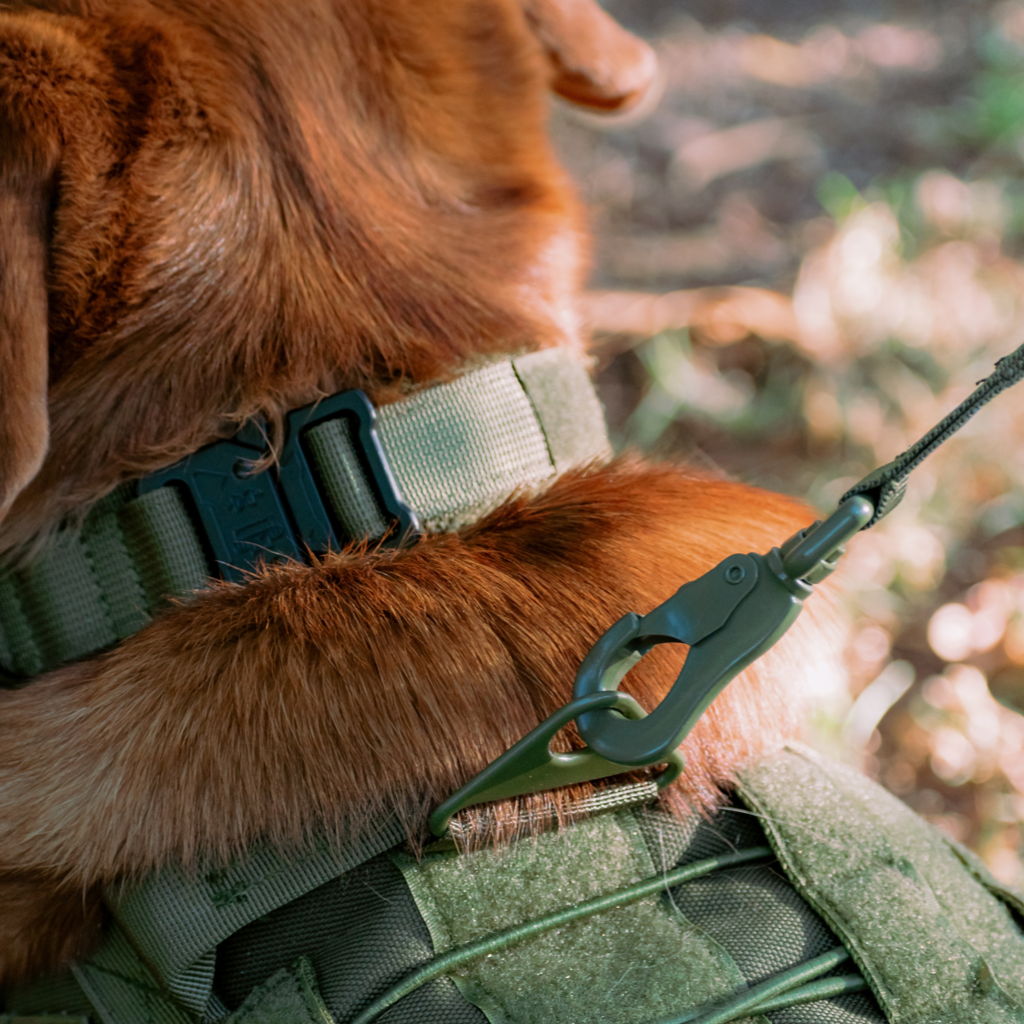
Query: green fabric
[[754, 913], [49, 995], [193, 987], [936, 942], [60, 597], [460, 449], [291, 996], [128, 607], [159, 955], [926, 923], [457, 450], [661, 963], [456, 960], [122, 989], [19, 649], [525, 822], [362, 933], [100, 583], [6, 1018], [342, 477], [568, 408], [176, 921], [163, 544]]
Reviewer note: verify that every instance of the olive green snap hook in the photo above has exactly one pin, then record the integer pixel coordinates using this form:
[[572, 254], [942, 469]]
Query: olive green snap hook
[[728, 617]]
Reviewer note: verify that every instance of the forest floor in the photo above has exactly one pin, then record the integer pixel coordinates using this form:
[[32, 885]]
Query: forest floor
[[806, 255]]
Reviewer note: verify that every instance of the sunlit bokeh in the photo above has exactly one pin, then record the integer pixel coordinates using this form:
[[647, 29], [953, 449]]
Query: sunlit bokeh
[[805, 257]]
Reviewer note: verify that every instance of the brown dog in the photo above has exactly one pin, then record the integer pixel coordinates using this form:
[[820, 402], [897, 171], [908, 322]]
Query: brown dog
[[212, 211]]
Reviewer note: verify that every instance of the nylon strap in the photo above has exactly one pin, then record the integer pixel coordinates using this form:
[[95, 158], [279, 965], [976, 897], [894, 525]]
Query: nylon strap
[[176, 921], [457, 451], [158, 958], [607, 798], [121, 987], [48, 996], [290, 996], [7, 1018]]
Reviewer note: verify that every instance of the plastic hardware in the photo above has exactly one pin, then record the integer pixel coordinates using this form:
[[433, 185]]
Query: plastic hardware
[[250, 518], [727, 622], [298, 480], [883, 487], [243, 518], [531, 766], [729, 617]]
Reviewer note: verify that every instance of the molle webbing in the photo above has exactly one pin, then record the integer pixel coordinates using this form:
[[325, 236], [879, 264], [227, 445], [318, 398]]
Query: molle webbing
[[689, 946], [456, 451], [324, 956], [324, 938], [158, 961]]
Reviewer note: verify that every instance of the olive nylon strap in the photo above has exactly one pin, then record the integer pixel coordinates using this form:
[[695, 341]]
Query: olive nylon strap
[[456, 450], [176, 921]]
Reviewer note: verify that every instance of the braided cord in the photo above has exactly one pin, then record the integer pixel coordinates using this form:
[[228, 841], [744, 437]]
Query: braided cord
[[886, 486], [1009, 371]]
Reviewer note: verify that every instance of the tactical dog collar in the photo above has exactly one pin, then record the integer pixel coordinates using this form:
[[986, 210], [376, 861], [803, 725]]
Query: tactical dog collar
[[433, 462]]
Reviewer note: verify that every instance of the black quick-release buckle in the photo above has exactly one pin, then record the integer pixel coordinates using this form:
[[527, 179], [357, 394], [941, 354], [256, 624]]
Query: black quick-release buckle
[[250, 518]]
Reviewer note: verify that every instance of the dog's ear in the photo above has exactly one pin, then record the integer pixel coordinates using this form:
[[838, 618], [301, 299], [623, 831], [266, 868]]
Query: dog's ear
[[24, 421], [597, 63]]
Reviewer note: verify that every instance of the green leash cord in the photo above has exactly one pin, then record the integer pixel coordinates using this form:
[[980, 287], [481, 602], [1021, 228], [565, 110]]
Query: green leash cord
[[885, 487], [728, 617]]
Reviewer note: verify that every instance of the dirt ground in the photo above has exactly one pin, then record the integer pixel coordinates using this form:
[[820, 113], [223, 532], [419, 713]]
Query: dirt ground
[[806, 255]]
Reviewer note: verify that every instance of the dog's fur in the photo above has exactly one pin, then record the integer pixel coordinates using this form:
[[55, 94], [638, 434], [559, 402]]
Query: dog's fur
[[213, 210]]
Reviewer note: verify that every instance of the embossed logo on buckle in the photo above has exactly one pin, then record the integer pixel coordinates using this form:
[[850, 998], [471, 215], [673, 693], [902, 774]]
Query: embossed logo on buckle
[[251, 518]]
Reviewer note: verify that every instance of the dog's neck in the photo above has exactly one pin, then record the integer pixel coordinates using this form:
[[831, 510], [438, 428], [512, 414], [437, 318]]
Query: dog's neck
[[308, 220], [343, 473]]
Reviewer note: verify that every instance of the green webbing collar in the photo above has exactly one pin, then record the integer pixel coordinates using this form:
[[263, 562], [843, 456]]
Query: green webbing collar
[[435, 461]]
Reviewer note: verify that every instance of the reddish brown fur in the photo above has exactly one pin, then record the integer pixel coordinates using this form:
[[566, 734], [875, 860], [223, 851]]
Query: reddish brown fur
[[253, 208], [43, 925], [241, 206], [329, 695]]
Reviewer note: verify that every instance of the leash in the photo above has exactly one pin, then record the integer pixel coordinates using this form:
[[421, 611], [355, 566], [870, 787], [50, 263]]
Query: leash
[[729, 617], [886, 486]]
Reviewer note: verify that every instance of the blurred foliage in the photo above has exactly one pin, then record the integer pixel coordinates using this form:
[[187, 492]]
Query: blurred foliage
[[806, 256]]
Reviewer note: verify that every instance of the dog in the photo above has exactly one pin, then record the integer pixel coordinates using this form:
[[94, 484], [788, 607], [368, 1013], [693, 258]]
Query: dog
[[222, 211]]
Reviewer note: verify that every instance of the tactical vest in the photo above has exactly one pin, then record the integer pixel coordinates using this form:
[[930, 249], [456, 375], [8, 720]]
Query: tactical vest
[[318, 939]]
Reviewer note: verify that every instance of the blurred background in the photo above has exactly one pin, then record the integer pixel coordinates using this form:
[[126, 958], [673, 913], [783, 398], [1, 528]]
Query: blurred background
[[806, 256]]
